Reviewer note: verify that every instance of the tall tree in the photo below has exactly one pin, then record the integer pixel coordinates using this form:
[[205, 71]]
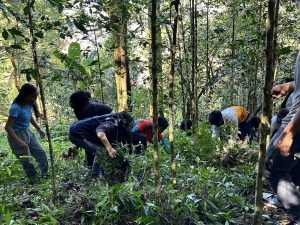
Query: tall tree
[[119, 16], [193, 78], [171, 86], [267, 110], [154, 103]]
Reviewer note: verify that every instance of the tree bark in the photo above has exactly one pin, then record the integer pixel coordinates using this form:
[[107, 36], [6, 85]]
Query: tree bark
[[119, 16], [193, 97], [43, 99], [157, 191], [267, 112], [171, 87]]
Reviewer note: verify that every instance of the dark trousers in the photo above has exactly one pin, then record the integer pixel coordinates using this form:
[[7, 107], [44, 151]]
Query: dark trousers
[[139, 143], [283, 175]]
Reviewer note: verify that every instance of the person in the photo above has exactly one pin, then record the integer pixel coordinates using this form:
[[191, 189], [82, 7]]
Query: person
[[142, 132], [277, 120], [99, 135], [282, 164], [236, 116], [288, 100], [83, 108], [20, 138], [186, 125]]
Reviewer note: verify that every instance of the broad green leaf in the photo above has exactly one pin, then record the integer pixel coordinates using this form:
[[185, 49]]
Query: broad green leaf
[[39, 34], [7, 217], [15, 31], [74, 50], [5, 34], [16, 47]]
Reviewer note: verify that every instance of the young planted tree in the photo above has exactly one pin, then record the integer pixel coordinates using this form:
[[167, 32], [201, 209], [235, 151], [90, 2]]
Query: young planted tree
[[28, 10], [171, 86], [267, 111], [157, 191]]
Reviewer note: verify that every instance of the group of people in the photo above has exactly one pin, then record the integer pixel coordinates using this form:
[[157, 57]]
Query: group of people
[[97, 130]]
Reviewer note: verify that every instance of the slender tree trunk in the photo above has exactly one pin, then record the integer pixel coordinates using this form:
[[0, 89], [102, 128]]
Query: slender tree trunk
[[207, 46], [154, 103], [252, 92], [193, 113], [99, 68], [267, 112], [171, 89], [182, 83], [232, 52], [40, 84]]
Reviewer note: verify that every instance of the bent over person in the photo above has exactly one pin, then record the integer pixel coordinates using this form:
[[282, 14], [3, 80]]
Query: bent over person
[[99, 135], [84, 108]]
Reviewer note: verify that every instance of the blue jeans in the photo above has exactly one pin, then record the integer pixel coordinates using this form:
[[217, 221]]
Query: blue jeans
[[90, 148], [283, 175]]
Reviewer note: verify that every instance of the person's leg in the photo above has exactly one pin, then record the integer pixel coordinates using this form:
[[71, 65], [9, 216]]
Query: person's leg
[[27, 163], [89, 158], [98, 163], [23, 155], [140, 144], [38, 152], [277, 174]]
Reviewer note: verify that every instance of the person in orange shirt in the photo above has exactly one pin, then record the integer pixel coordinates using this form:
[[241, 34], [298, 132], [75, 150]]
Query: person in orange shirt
[[236, 116]]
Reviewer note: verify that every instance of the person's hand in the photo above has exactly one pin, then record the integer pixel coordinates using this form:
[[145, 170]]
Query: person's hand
[[22, 145], [42, 133], [112, 152], [284, 143], [278, 91]]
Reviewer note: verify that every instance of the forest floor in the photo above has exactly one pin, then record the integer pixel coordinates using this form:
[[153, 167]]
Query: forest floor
[[212, 188]]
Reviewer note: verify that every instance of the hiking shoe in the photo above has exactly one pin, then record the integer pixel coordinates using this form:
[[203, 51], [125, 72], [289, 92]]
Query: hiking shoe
[[272, 199]]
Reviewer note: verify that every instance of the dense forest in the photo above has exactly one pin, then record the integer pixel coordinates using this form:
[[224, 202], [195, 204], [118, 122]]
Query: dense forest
[[176, 59]]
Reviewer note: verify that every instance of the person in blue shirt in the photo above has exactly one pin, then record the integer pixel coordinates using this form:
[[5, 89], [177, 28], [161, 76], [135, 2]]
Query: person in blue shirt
[[20, 138]]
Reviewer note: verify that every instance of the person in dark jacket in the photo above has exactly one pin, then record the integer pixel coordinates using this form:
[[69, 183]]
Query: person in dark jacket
[[84, 108], [99, 135]]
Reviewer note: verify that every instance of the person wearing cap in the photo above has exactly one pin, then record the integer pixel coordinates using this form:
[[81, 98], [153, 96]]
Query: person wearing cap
[[282, 164], [142, 132], [100, 135]]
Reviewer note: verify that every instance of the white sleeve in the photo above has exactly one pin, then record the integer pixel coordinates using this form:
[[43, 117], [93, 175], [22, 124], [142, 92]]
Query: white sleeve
[[215, 131]]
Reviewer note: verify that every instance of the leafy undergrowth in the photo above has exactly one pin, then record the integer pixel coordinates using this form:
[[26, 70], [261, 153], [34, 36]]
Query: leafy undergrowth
[[213, 187]]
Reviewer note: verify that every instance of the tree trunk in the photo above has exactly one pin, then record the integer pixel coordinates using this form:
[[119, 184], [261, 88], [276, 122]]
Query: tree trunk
[[267, 112], [40, 84], [99, 68], [171, 89], [193, 98], [154, 103], [120, 16], [232, 53]]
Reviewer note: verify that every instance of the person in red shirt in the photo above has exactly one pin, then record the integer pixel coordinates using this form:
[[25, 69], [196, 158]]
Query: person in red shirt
[[142, 132]]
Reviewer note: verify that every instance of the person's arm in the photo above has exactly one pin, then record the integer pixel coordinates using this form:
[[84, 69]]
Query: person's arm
[[280, 90], [215, 131], [37, 127], [8, 127], [284, 141], [111, 151]]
